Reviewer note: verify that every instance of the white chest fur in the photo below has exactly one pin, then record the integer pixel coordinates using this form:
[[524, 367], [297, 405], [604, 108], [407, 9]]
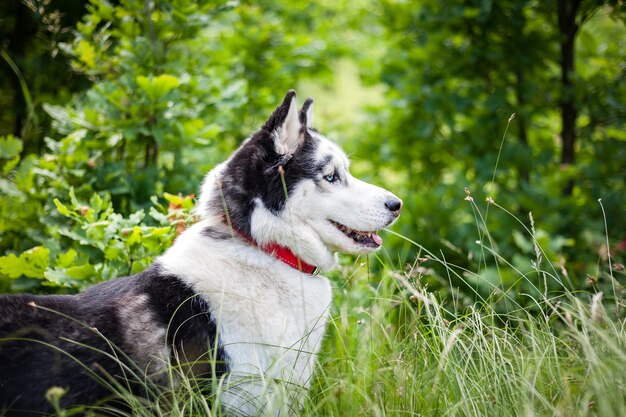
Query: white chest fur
[[271, 318]]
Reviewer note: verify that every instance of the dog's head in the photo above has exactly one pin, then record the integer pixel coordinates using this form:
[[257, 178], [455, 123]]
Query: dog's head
[[290, 185]]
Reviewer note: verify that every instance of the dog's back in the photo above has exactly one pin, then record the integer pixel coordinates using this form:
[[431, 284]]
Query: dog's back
[[28, 366], [126, 328]]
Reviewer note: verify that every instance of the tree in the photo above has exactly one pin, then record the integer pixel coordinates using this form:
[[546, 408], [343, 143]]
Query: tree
[[571, 15], [34, 72], [456, 71]]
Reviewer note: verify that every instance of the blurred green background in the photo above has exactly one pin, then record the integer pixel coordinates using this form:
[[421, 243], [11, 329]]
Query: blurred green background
[[112, 111]]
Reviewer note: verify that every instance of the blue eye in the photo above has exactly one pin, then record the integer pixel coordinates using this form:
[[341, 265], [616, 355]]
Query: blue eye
[[330, 178]]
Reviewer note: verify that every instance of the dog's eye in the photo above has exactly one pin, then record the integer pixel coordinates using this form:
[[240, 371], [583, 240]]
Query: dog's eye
[[330, 178]]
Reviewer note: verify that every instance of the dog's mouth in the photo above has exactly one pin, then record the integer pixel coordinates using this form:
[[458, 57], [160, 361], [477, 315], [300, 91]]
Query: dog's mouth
[[368, 239]]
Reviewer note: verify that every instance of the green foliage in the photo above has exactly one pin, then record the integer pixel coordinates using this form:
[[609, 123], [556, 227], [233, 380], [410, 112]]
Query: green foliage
[[167, 84], [31, 263], [98, 244], [10, 148], [150, 101], [456, 72]]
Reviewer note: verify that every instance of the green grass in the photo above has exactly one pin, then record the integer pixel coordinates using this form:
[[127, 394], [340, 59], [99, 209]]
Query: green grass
[[410, 357]]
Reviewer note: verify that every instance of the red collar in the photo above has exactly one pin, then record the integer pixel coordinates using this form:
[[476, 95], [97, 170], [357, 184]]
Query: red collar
[[283, 254]]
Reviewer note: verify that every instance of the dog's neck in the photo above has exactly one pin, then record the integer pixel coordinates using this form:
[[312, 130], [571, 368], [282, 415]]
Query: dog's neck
[[282, 253]]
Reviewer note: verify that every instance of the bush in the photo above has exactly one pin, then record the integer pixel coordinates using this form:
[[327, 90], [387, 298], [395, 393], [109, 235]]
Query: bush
[[99, 244]]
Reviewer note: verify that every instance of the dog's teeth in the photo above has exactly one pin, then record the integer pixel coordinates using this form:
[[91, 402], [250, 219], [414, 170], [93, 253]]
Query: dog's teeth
[[358, 236]]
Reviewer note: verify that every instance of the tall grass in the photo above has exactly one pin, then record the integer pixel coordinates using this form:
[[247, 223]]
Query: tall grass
[[409, 356]]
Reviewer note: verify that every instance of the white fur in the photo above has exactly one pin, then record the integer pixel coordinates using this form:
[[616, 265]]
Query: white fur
[[271, 318], [287, 137], [208, 190]]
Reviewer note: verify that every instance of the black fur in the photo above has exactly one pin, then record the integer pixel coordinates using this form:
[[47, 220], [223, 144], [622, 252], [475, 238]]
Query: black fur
[[305, 107], [71, 341], [216, 234], [253, 172]]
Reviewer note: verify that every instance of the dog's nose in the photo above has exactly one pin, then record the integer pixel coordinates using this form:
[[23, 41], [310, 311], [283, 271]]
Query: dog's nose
[[394, 205]]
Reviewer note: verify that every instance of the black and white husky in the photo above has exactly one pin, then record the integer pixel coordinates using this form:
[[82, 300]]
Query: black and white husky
[[236, 297]]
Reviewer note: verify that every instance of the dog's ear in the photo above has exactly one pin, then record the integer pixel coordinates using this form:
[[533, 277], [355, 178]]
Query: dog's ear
[[306, 113], [284, 125]]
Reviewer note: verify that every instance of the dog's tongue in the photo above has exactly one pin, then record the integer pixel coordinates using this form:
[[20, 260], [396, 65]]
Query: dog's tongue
[[377, 239]]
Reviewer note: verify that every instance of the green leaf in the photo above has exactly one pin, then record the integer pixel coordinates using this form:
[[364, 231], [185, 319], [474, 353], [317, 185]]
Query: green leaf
[[65, 260], [144, 83], [86, 53], [10, 147], [83, 240], [160, 231], [156, 88], [61, 208], [136, 217], [81, 272], [31, 263], [616, 133], [165, 83], [71, 277], [73, 198], [58, 113], [10, 164], [174, 200], [96, 203], [159, 217], [134, 236], [114, 251]]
